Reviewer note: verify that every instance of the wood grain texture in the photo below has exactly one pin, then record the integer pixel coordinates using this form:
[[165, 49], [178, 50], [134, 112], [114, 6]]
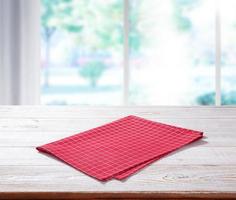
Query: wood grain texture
[[203, 170]]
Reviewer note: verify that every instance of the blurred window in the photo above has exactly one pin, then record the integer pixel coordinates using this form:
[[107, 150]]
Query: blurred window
[[82, 52], [171, 52]]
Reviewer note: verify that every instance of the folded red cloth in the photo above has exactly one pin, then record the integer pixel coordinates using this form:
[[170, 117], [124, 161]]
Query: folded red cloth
[[120, 148]]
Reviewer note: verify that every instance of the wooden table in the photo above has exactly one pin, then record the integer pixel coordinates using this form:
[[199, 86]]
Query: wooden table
[[205, 169]]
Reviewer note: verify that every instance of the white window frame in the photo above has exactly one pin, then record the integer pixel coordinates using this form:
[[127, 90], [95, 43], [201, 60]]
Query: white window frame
[[126, 70], [217, 54]]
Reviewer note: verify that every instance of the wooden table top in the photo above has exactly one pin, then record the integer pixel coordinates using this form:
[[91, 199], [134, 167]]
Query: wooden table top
[[205, 169]]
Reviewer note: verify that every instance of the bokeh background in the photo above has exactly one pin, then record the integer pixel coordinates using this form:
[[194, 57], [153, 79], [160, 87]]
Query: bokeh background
[[171, 53]]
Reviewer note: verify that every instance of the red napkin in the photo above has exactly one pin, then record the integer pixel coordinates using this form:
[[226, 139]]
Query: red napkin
[[120, 148]]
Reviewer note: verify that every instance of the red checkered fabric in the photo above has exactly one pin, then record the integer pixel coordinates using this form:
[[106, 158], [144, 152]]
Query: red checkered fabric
[[120, 148]]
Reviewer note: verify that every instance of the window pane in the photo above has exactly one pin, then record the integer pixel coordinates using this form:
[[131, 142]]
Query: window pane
[[172, 52], [228, 24], [82, 51]]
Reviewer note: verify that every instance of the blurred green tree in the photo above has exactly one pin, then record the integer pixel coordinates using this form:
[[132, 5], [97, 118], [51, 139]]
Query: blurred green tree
[[183, 23], [102, 24], [227, 98], [56, 14], [92, 71], [136, 38], [206, 99], [94, 26]]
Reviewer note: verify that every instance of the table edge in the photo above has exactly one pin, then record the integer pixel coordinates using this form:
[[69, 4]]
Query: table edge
[[118, 195]]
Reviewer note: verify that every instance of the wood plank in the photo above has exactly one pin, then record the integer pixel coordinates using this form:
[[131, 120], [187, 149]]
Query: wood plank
[[165, 178], [116, 111], [79, 124], [195, 155]]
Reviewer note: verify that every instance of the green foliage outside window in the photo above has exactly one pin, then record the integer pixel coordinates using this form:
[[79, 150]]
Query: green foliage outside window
[[93, 71], [209, 98], [80, 19]]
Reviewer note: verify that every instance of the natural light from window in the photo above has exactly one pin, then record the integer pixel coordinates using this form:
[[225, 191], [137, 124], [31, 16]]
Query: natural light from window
[[171, 52]]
